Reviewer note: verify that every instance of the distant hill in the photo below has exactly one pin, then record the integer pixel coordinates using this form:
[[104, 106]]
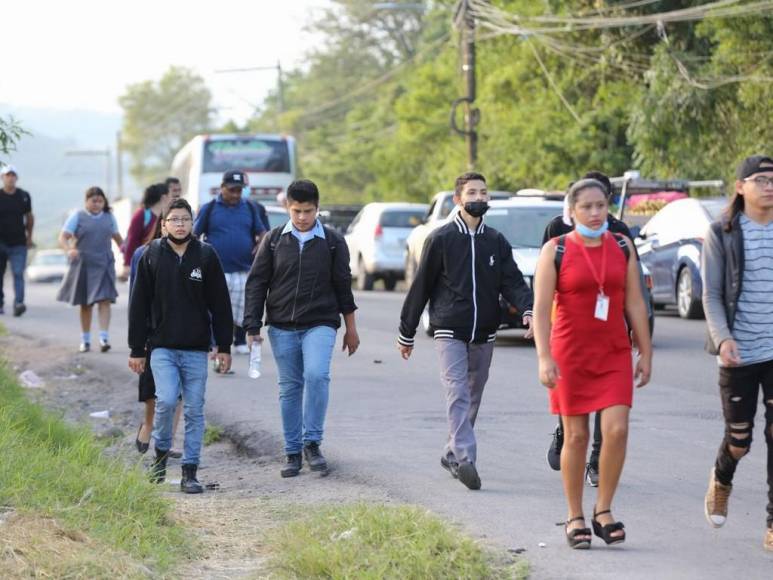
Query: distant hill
[[55, 180]]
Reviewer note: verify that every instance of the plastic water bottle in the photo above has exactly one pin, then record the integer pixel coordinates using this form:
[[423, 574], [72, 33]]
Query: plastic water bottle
[[255, 355]]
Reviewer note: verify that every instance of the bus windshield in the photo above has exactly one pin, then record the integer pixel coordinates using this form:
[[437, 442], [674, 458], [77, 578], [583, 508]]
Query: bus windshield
[[246, 154]]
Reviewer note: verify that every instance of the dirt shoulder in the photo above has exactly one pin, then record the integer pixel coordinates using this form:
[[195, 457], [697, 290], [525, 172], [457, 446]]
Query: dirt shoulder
[[229, 523]]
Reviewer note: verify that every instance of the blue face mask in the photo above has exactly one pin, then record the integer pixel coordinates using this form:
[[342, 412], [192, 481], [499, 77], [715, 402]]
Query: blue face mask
[[246, 191], [587, 232]]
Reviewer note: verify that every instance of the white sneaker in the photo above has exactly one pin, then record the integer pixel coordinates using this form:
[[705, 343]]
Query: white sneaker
[[242, 349]]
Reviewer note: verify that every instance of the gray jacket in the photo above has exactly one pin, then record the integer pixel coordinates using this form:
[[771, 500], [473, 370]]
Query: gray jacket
[[722, 264]]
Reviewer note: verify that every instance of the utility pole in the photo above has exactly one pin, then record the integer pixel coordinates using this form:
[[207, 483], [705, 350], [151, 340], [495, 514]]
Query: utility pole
[[118, 165], [279, 81], [465, 21], [280, 87]]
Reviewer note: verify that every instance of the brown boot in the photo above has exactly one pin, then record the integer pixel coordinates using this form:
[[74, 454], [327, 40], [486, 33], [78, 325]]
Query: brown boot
[[717, 497], [768, 543]]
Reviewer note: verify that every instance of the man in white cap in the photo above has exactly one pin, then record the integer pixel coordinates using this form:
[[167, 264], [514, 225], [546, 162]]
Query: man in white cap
[[16, 223]]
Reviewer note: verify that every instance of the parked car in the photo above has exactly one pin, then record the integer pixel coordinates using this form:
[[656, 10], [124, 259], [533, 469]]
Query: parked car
[[47, 266], [440, 209], [670, 246], [376, 240], [522, 220], [277, 215]]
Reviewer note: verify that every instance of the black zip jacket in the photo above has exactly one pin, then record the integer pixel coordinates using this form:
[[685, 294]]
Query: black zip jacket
[[180, 303], [462, 274], [299, 289]]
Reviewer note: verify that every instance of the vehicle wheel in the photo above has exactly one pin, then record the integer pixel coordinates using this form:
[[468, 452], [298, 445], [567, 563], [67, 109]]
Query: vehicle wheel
[[389, 283], [365, 279], [410, 269], [658, 306], [687, 303], [425, 324]]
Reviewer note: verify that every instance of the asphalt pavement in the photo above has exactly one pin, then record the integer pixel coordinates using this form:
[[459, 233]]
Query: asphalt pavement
[[386, 426]]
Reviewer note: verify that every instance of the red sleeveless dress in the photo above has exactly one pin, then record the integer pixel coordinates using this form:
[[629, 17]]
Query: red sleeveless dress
[[593, 356]]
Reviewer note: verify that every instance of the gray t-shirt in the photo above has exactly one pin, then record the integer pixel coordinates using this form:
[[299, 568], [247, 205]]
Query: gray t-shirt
[[753, 326]]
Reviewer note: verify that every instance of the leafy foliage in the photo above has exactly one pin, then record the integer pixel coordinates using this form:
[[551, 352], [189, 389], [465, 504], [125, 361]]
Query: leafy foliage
[[371, 113], [10, 133], [159, 117]]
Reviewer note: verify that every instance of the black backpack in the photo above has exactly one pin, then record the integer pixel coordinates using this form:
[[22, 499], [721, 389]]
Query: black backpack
[[561, 249]]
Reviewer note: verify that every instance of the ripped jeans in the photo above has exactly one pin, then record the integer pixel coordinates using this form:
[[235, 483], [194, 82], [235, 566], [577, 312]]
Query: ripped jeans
[[739, 388]]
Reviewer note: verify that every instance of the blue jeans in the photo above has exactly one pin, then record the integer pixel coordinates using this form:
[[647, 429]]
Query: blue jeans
[[179, 372], [303, 361], [17, 255]]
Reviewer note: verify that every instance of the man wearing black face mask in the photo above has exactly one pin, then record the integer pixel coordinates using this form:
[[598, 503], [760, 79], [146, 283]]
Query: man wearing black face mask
[[464, 267]]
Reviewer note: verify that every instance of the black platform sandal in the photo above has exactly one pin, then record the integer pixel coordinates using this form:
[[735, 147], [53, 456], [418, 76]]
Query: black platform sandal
[[571, 537], [605, 532]]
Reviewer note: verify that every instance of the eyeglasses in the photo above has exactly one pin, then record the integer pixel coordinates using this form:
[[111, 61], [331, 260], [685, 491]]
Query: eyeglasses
[[761, 181], [179, 220]]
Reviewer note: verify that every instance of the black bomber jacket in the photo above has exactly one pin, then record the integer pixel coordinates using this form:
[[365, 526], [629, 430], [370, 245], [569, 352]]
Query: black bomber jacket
[[462, 273]]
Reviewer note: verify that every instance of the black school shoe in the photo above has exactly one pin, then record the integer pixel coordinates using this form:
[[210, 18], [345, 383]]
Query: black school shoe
[[468, 475], [314, 457], [554, 451], [19, 309], [292, 465]]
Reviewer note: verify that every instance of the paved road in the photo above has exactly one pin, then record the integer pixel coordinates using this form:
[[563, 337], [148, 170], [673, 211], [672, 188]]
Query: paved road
[[386, 426]]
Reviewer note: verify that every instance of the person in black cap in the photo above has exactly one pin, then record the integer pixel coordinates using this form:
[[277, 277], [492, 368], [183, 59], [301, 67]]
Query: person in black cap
[[737, 272], [232, 225]]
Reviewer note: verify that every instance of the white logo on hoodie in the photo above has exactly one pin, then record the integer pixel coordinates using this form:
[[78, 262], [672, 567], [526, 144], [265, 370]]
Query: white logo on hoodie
[[196, 274]]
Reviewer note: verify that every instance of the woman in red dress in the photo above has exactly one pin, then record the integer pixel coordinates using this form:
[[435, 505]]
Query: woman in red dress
[[585, 359]]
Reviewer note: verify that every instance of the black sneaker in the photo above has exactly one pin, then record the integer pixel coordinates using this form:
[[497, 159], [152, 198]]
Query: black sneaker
[[314, 457], [292, 466], [450, 465], [104, 346], [468, 475], [592, 474], [19, 309], [554, 451], [189, 483]]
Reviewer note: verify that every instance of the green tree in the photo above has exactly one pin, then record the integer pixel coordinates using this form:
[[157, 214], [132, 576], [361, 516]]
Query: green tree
[[159, 117], [10, 134]]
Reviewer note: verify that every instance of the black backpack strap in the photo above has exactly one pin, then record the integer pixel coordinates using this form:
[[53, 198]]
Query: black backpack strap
[[206, 212], [331, 239], [560, 251], [154, 257], [621, 241]]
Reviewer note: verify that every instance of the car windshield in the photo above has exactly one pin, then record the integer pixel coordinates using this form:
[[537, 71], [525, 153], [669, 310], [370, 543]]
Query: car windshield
[[404, 218], [246, 154], [50, 259], [276, 218], [715, 208], [522, 226]]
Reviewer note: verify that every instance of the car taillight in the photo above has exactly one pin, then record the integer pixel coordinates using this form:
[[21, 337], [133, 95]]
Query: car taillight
[[379, 231]]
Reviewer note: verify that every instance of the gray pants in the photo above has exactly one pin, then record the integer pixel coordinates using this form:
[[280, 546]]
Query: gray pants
[[464, 371]]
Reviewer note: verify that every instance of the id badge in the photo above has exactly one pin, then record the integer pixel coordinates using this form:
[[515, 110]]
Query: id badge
[[602, 307]]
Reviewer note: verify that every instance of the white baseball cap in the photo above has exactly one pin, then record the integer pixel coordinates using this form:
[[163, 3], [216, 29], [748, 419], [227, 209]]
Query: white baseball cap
[[8, 169]]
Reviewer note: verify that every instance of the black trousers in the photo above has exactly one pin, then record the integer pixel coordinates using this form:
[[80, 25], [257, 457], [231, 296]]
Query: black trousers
[[739, 388]]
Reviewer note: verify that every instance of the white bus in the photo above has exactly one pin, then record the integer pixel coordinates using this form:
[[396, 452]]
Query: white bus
[[268, 160]]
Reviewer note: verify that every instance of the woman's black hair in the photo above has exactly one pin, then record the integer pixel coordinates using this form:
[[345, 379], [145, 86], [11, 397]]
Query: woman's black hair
[[95, 191], [153, 194]]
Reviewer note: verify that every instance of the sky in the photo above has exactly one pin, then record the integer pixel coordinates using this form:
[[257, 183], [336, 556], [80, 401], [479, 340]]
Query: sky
[[81, 54]]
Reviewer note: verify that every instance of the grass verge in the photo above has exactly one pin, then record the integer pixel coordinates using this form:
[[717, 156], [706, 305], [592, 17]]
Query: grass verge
[[377, 541], [212, 434], [55, 478]]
